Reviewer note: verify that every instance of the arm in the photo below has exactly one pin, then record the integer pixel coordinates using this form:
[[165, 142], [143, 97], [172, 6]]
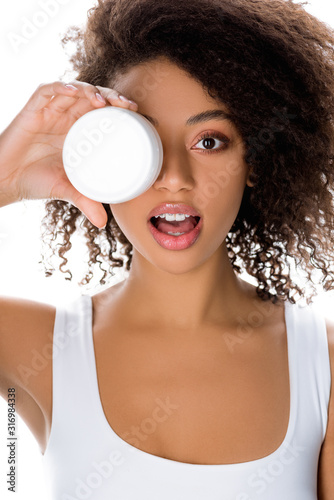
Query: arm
[[31, 167], [326, 460], [26, 336]]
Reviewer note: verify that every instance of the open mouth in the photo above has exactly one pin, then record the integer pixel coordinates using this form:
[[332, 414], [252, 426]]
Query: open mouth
[[175, 227]]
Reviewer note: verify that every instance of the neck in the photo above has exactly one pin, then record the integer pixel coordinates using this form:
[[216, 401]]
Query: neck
[[209, 295]]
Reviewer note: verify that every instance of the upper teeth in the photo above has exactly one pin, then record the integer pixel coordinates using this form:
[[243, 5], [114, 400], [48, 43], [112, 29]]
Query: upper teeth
[[171, 217]]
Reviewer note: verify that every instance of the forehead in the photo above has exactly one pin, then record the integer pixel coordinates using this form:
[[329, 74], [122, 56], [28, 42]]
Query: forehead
[[174, 101], [162, 79]]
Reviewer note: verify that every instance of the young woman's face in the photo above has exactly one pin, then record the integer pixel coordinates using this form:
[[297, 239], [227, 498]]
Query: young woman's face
[[202, 167]]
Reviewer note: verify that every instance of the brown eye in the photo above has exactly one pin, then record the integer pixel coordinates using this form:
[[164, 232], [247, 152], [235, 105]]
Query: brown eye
[[210, 140], [209, 143]]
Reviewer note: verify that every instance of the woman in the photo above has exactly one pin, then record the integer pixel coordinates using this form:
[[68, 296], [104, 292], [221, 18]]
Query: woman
[[184, 381]]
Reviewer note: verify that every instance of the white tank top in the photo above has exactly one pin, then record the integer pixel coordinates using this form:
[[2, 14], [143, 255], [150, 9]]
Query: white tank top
[[86, 459]]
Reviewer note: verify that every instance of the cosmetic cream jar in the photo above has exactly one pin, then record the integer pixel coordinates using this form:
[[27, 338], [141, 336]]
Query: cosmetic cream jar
[[112, 155]]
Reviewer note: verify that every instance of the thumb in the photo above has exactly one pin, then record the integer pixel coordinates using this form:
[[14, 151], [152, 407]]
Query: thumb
[[93, 210]]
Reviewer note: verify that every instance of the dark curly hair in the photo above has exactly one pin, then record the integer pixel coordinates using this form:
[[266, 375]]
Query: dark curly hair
[[271, 64]]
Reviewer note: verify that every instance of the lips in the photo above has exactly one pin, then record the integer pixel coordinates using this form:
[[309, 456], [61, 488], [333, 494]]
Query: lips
[[182, 242], [174, 208]]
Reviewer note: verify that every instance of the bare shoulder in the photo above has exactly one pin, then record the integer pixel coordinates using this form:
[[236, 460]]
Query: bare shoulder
[[326, 461], [330, 337], [26, 339], [25, 326]]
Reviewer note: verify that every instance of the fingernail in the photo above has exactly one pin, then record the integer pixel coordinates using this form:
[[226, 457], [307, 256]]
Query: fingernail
[[122, 98], [71, 87], [100, 98], [133, 102]]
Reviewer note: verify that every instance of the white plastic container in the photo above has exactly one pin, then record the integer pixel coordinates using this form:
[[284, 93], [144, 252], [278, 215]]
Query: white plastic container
[[112, 155]]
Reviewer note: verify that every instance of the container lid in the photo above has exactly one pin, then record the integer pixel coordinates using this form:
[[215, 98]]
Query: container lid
[[112, 155]]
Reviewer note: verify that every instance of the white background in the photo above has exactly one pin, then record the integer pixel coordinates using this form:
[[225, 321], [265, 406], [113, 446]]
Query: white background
[[43, 60]]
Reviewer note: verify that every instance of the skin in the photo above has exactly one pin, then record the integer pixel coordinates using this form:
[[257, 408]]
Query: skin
[[187, 169]]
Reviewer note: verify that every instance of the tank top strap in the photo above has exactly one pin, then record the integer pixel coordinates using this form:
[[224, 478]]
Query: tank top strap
[[73, 389], [310, 354]]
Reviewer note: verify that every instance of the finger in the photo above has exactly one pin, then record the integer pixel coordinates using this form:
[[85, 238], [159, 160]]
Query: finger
[[117, 99], [93, 210], [80, 108], [46, 95], [61, 103], [87, 94], [45, 92], [88, 91], [75, 106]]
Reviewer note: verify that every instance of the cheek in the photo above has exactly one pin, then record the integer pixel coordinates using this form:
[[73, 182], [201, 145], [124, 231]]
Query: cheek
[[127, 216], [222, 188], [121, 215], [223, 199]]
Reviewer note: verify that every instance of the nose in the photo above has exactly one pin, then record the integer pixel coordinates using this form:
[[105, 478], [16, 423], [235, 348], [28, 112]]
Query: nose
[[176, 172]]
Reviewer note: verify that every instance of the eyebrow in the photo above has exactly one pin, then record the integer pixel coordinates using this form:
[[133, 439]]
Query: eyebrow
[[205, 116]]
